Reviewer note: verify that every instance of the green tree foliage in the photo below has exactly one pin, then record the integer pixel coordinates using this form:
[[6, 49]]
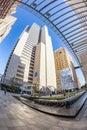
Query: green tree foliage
[[12, 87]]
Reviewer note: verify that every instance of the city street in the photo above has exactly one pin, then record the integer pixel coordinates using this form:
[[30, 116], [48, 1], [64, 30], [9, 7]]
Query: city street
[[16, 116]]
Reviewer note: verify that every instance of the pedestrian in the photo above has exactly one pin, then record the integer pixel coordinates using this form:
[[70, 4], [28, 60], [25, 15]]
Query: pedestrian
[[64, 93], [50, 94], [5, 91]]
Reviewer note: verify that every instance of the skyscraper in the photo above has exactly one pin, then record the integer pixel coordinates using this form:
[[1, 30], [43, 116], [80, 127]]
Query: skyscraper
[[44, 62], [32, 58], [83, 59], [64, 69], [5, 26], [7, 7]]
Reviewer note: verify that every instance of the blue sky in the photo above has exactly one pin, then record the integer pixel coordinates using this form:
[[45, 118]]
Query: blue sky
[[24, 18]]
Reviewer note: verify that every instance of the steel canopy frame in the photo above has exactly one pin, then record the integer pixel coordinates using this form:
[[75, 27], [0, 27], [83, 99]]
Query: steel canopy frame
[[67, 18]]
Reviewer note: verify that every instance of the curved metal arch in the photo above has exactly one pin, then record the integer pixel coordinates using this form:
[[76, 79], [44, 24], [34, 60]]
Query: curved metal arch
[[84, 37], [40, 2], [83, 43], [57, 6], [81, 50], [73, 30], [73, 26], [72, 21], [77, 14], [80, 47], [47, 5], [67, 12], [77, 37], [78, 32], [65, 8]]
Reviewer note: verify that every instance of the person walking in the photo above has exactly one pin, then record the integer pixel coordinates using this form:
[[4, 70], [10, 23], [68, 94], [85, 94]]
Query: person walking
[[5, 91]]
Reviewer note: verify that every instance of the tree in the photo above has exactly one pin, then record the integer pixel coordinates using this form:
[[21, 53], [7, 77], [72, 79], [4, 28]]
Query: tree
[[84, 86]]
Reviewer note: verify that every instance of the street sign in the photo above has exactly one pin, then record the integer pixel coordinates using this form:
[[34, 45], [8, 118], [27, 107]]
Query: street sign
[[66, 79]]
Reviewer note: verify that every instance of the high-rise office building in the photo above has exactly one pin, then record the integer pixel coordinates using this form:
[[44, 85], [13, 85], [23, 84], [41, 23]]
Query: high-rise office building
[[7, 7], [44, 62], [83, 58], [65, 72], [32, 58], [5, 26]]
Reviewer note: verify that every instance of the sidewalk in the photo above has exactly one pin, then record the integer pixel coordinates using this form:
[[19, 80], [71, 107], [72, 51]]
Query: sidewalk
[[16, 116], [62, 111]]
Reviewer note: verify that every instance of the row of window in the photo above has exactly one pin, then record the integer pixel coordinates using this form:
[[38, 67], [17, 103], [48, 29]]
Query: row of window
[[20, 71], [25, 54], [21, 67], [19, 75], [31, 74], [30, 78]]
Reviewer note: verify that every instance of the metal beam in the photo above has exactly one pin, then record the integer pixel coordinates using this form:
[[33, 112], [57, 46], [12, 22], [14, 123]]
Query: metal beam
[[78, 32], [77, 67], [61, 15], [80, 45], [71, 22], [77, 36], [74, 26], [75, 30], [71, 16], [76, 41]]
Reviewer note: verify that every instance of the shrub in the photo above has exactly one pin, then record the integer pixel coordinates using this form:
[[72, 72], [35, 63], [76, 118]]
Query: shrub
[[11, 88]]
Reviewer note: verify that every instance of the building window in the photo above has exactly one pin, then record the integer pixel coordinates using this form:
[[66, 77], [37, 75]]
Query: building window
[[19, 75], [30, 74], [30, 78], [21, 67]]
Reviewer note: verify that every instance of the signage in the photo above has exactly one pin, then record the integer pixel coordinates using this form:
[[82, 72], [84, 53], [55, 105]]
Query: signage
[[66, 79]]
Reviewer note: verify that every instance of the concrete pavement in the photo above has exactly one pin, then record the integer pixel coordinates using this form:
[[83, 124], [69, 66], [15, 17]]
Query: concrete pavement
[[16, 116], [59, 109]]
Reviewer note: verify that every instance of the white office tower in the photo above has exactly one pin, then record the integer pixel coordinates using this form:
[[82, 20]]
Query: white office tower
[[44, 63], [5, 26], [32, 58], [21, 62]]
